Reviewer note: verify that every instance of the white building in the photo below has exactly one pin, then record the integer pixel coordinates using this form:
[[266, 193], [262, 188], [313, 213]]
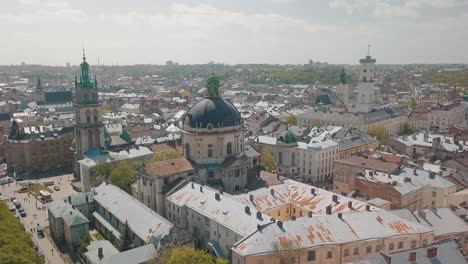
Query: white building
[[366, 86]]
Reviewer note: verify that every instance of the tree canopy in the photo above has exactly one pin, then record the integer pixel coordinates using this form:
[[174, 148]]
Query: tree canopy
[[184, 255], [293, 120], [409, 129], [16, 246], [122, 174], [126, 240], [268, 160], [378, 132]]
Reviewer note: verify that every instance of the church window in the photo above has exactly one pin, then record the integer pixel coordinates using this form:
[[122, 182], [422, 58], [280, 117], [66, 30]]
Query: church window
[[293, 158], [95, 115], [210, 174], [229, 148], [236, 189], [88, 116], [280, 158], [210, 150]]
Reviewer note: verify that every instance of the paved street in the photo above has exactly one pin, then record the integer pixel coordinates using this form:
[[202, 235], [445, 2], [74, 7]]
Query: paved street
[[35, 215]]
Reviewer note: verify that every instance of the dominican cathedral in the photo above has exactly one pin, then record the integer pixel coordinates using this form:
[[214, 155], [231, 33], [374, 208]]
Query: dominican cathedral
[[213, 141]]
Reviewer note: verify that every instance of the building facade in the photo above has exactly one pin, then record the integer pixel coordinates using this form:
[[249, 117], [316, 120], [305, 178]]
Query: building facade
[[89, 128], [213, 140]]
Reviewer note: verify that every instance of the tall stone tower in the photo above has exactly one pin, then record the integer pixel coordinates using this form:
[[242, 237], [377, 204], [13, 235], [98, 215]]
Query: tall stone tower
[[366, 85], [89, 129]]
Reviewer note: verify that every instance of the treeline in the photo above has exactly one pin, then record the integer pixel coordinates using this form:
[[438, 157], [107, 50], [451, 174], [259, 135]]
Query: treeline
[[16, 246]]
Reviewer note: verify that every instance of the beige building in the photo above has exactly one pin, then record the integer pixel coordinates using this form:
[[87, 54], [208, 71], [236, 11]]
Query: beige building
[[318, 226], [213, 140], [38, 149], [157, 178], [392, 120], [409, 188], [443, 117]]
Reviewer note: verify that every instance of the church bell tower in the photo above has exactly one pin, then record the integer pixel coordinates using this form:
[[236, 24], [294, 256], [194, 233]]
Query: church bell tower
[[89, 128]]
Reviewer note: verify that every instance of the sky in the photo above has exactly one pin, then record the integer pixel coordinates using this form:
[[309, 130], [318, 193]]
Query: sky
[[53, 32]]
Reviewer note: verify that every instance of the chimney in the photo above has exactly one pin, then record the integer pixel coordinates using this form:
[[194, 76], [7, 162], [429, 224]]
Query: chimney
[[293, 218], [201, 189], [217, 197], [340, 216], [432, 252], [371, 173], [335, 198], [259, 215], [100, 253], [368, 207], [422, 213], [432, 175], [247, 210], [86, 198], [71, 212], [394, 183], [251, 198], [388, 259], [415, 172], [272, 191], [310, 214], [412, 256], [280, 224], [350, 204], [441, 173], [69, 199], [312, 191], [407, 179], [221, 191], [329, 210], [193, 185]]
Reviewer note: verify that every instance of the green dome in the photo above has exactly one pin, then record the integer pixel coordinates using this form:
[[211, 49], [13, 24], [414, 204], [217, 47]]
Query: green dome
[[287, 137]]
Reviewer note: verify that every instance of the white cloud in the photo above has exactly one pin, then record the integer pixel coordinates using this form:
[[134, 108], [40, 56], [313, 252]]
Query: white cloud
[[205, 21], [388, 9], [46, 15], [29, 2]]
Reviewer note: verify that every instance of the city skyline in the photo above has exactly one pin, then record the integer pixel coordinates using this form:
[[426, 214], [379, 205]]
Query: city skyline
[[240, 32]]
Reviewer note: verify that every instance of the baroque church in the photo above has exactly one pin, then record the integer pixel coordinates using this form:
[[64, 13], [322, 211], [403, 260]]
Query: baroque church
[[213, 141]]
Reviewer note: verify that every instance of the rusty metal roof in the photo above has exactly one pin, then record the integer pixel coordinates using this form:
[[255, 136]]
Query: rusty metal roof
[[168, 167], [226, 211], [327, 230], [300, 195]]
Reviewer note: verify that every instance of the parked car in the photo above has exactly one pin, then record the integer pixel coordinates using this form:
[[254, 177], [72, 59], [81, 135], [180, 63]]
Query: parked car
[[48, 183], [23, 190], [56, 188]]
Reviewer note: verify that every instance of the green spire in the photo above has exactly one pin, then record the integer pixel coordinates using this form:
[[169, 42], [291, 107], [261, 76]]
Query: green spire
[[39, 84], [213, 86], [85, 80], [343, 77]]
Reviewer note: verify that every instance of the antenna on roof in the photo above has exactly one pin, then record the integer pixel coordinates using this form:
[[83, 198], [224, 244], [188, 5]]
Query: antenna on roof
[[368, 49]]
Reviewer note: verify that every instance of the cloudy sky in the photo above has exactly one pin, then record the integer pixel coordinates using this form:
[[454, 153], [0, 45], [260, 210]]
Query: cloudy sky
[[233, 31]]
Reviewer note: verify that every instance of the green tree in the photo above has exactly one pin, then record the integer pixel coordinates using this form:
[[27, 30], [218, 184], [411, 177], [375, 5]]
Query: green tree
[[84, 242], [378, 132], [126, 240], [409, 129], [123, 175], [268, 160], [413, 104], [16, 246], [184, 255], [293, 120], [318, 123]]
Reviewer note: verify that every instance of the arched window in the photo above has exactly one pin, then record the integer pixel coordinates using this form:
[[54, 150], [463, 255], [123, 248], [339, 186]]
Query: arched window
[[88, 116], [229, 148], [187, 150], [95, 115], [293, 158]]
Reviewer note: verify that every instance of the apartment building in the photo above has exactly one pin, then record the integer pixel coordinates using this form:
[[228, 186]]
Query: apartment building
[[317, 225], [409, 188]]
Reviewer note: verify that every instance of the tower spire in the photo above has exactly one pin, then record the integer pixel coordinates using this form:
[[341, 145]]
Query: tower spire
[[368, 50]]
